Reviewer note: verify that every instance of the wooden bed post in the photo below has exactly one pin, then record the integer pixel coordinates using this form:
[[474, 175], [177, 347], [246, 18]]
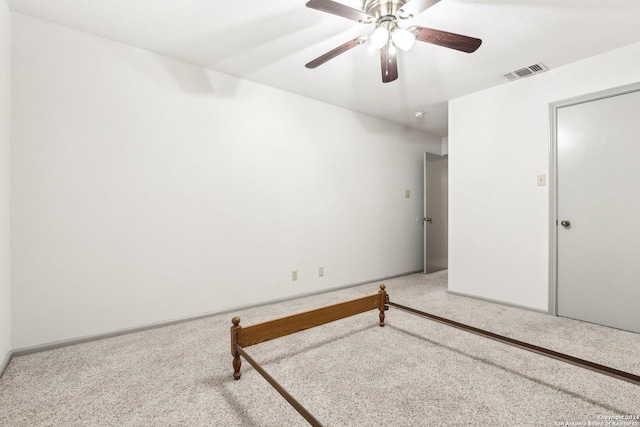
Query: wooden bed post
[[383, 303], [237, 363]]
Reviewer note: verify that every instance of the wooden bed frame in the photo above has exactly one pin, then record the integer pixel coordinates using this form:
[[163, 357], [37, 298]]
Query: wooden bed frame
[[245, 337]]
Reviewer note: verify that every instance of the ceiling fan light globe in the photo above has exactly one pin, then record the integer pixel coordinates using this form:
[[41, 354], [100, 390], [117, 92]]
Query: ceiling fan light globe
[[403, 38], [379, 37]]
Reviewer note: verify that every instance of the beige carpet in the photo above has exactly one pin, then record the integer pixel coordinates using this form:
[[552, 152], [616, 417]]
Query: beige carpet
[[413, 372]]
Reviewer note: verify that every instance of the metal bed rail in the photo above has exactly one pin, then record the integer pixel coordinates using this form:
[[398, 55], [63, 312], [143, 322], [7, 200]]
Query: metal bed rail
[[284, 393], [605, 370]]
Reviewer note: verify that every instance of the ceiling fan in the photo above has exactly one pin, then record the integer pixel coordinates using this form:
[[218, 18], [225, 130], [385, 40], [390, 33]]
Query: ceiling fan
[[387, 34]]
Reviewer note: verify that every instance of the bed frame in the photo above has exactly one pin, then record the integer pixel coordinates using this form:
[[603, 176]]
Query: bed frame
[[245, 337]]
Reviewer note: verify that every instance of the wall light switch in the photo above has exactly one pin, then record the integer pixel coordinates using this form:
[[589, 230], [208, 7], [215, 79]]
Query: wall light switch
[[542, 180], [320, 271], [407, 194], [294, 275]]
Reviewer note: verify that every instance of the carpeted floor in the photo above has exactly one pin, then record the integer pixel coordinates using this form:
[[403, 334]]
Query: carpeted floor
[[413, 372]]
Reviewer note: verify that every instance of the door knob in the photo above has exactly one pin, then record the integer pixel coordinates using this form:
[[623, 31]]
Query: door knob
[[565, 223]]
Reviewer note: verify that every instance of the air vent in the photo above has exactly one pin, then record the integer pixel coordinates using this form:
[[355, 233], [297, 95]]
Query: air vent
[[526, 72]]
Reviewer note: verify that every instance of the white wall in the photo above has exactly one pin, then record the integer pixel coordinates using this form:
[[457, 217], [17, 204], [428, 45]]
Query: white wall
[[498, 143], [5, 134], [445, 146], [146, 189]]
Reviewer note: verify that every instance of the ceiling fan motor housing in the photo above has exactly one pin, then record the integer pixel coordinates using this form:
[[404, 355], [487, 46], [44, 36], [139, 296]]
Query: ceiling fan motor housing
[[380, 8]]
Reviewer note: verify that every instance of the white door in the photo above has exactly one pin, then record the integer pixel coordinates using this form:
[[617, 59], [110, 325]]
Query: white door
[[436, 225], [598, 184]]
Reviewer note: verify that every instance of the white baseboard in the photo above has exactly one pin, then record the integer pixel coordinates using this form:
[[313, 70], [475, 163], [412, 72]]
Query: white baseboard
[[5, 362], [523, 307], [80, 340]]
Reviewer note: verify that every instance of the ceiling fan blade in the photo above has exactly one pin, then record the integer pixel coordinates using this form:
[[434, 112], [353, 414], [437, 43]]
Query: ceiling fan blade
[[341, 10], [389, 63], [416, 7], [337, 51], [446, 39]]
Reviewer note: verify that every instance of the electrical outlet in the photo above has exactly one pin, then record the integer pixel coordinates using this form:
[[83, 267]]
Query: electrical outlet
[[320, 271], [294, 275], [407, 194]]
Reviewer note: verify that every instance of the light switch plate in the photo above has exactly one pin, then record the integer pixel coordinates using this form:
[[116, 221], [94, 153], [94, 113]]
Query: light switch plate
[[542, 180]]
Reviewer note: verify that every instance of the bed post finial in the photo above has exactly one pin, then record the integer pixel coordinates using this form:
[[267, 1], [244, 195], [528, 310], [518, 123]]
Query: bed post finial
[[383, 301], [235, 329]]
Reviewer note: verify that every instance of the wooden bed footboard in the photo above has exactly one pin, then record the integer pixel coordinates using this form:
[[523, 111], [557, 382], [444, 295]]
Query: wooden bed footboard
[[255, 334]]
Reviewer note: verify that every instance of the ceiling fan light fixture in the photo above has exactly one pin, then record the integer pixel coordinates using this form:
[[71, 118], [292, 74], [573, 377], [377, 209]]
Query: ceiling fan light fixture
[[403, 38], [379, 37]]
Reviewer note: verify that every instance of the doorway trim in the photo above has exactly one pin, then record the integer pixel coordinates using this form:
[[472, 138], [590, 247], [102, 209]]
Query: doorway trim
[[553, 180]]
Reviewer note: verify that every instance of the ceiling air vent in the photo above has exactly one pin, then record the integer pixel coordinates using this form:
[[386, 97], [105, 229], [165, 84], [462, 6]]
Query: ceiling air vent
[[526, 72]]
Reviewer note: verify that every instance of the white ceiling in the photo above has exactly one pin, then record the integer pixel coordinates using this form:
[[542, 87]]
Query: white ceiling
[[269, 41]]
